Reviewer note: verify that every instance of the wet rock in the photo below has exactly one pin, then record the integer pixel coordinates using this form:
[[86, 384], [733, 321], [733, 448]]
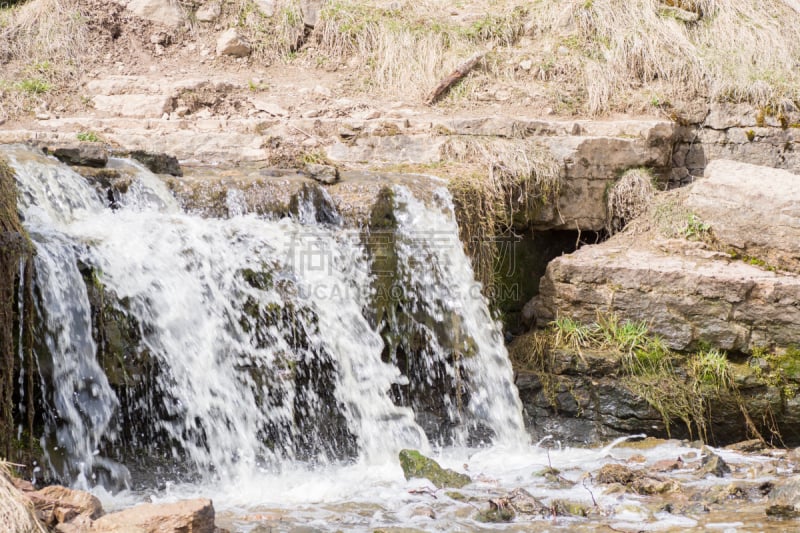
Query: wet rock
[[58, 505], [500, 510], [230, 43], [719, 494], [425, 512], [667, 465], [554, 477], [583, 404], [636, 480], [416, 465], [568, 508], [784, 499], [713, 464], [157, 162], [326, 174], [85, 153], [615, 473], [195, 516], [523, 502], [752, 445]]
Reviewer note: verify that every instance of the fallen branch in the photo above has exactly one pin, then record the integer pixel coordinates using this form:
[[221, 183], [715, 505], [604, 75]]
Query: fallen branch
[[461, 71], [427, 491]]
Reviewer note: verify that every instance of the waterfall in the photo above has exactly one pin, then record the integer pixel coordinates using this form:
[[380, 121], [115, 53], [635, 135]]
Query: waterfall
[[441, 282], [258, 332]]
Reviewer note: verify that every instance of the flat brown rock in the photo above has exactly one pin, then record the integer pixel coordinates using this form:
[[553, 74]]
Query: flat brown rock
[[189, 516]]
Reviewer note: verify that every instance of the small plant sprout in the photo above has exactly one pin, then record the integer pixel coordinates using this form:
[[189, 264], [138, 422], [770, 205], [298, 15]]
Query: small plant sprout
[[88, 136], [695, 228]]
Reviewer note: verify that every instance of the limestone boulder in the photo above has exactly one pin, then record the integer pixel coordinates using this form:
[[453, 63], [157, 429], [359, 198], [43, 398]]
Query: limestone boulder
[[592, 161], [166, 12], [208, 12], [133, 105], [752, 210], [231, 43], [196, 516], [310, 10], [687, 294]]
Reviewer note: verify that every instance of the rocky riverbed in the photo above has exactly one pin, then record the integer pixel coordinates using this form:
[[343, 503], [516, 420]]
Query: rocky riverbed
[[629, 485]]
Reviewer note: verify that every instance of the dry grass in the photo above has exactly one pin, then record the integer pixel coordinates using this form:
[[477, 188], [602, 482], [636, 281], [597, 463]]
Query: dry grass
[[519, 177], [628, 198], [407, 47], [41, 46], [16, 511], [274, 38], [743, 51], [581, 56]]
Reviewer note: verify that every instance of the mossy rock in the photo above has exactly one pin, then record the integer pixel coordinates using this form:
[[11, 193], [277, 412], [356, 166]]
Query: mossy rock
[[496, 515], [416, 465], [568, 508]]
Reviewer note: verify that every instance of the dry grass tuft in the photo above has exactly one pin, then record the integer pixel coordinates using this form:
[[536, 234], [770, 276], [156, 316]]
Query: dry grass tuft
[[275, 37], [520, 177], [16, 511], [41, 46], [744, 51], [628, 198]]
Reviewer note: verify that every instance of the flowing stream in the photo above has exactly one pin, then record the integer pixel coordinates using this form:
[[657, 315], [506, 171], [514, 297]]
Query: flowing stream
[[231, 310], [264, 367]]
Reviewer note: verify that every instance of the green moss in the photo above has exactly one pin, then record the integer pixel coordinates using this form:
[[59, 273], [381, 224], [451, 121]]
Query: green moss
[[750, 135], [751, 260], [416, 465]]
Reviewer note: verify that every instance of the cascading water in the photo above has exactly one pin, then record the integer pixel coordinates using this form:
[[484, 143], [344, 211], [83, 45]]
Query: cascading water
[[440, 283], [257, 329]]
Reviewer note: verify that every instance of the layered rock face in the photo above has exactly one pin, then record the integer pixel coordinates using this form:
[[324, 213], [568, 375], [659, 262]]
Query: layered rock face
[[737, 291], [738, 132]]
